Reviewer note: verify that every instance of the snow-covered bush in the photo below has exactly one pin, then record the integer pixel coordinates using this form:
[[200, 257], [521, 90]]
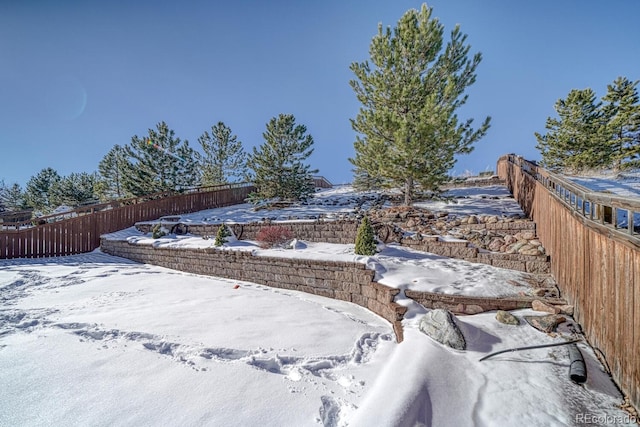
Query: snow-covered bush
[[273, 236]]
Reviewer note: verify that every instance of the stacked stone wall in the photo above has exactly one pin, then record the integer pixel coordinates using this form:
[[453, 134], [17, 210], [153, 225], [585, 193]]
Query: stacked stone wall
[[344, 232], [347, 281], [535, 264]]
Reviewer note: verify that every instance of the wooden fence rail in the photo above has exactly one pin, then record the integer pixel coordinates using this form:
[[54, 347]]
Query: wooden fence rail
[[79, 231], [594, 245]]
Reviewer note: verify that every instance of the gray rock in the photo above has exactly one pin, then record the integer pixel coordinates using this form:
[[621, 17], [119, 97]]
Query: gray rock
[[507, 318], [440, 325], [546, 323]]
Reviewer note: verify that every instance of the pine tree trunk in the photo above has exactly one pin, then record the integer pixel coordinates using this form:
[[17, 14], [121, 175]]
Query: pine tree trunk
[[408, 191]]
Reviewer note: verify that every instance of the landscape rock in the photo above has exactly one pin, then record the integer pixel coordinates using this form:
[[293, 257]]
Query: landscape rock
[[566, 310], [516, 246], [468, 309], [496, 244], [546, 323], [507, 318], [418, 237], [440, 325], [492, 219], [412, 223], [509, 239], [526, 247], [482, 230], [295, 244], [529, 250], [540, 292], [538, 305]]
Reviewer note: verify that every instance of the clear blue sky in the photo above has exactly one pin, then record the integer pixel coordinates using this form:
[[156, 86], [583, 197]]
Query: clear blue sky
[[79, 76]]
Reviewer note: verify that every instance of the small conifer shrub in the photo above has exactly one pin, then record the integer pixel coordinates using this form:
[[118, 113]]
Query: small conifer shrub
[[365, 239], [273, 236], [158, 231], [221, 235]]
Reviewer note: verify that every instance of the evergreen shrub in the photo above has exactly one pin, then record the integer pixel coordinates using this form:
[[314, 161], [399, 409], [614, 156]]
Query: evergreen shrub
[[221, 235], [158, 231], [365, 239]]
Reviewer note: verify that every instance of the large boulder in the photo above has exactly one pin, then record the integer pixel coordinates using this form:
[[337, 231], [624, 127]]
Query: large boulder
[[440, 325]]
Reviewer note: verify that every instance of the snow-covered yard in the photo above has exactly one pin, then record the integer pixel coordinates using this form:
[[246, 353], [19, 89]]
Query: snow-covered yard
[[98, 340]]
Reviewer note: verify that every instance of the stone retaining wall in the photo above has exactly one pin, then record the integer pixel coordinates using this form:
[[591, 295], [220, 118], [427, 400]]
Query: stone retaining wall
[[535, 264], [504, 227], [461, 304], [347, 281], [344, 232], [340, 231]]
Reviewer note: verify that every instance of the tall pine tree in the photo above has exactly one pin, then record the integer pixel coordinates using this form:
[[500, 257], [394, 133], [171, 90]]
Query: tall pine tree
[[576, 140], [159, 162], [622, 112], [75, 189], [11, 197], [408, 129], [224, 159], [111, 169], [278, 164], [363, 177], [39, 194], [3, 192]]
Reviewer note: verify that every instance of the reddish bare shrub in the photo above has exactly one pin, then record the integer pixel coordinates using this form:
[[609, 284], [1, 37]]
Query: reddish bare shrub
[[273, 236]]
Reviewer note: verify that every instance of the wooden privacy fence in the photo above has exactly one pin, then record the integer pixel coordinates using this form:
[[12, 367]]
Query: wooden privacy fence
[[594, 243], [321, 182], [79, 230]]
